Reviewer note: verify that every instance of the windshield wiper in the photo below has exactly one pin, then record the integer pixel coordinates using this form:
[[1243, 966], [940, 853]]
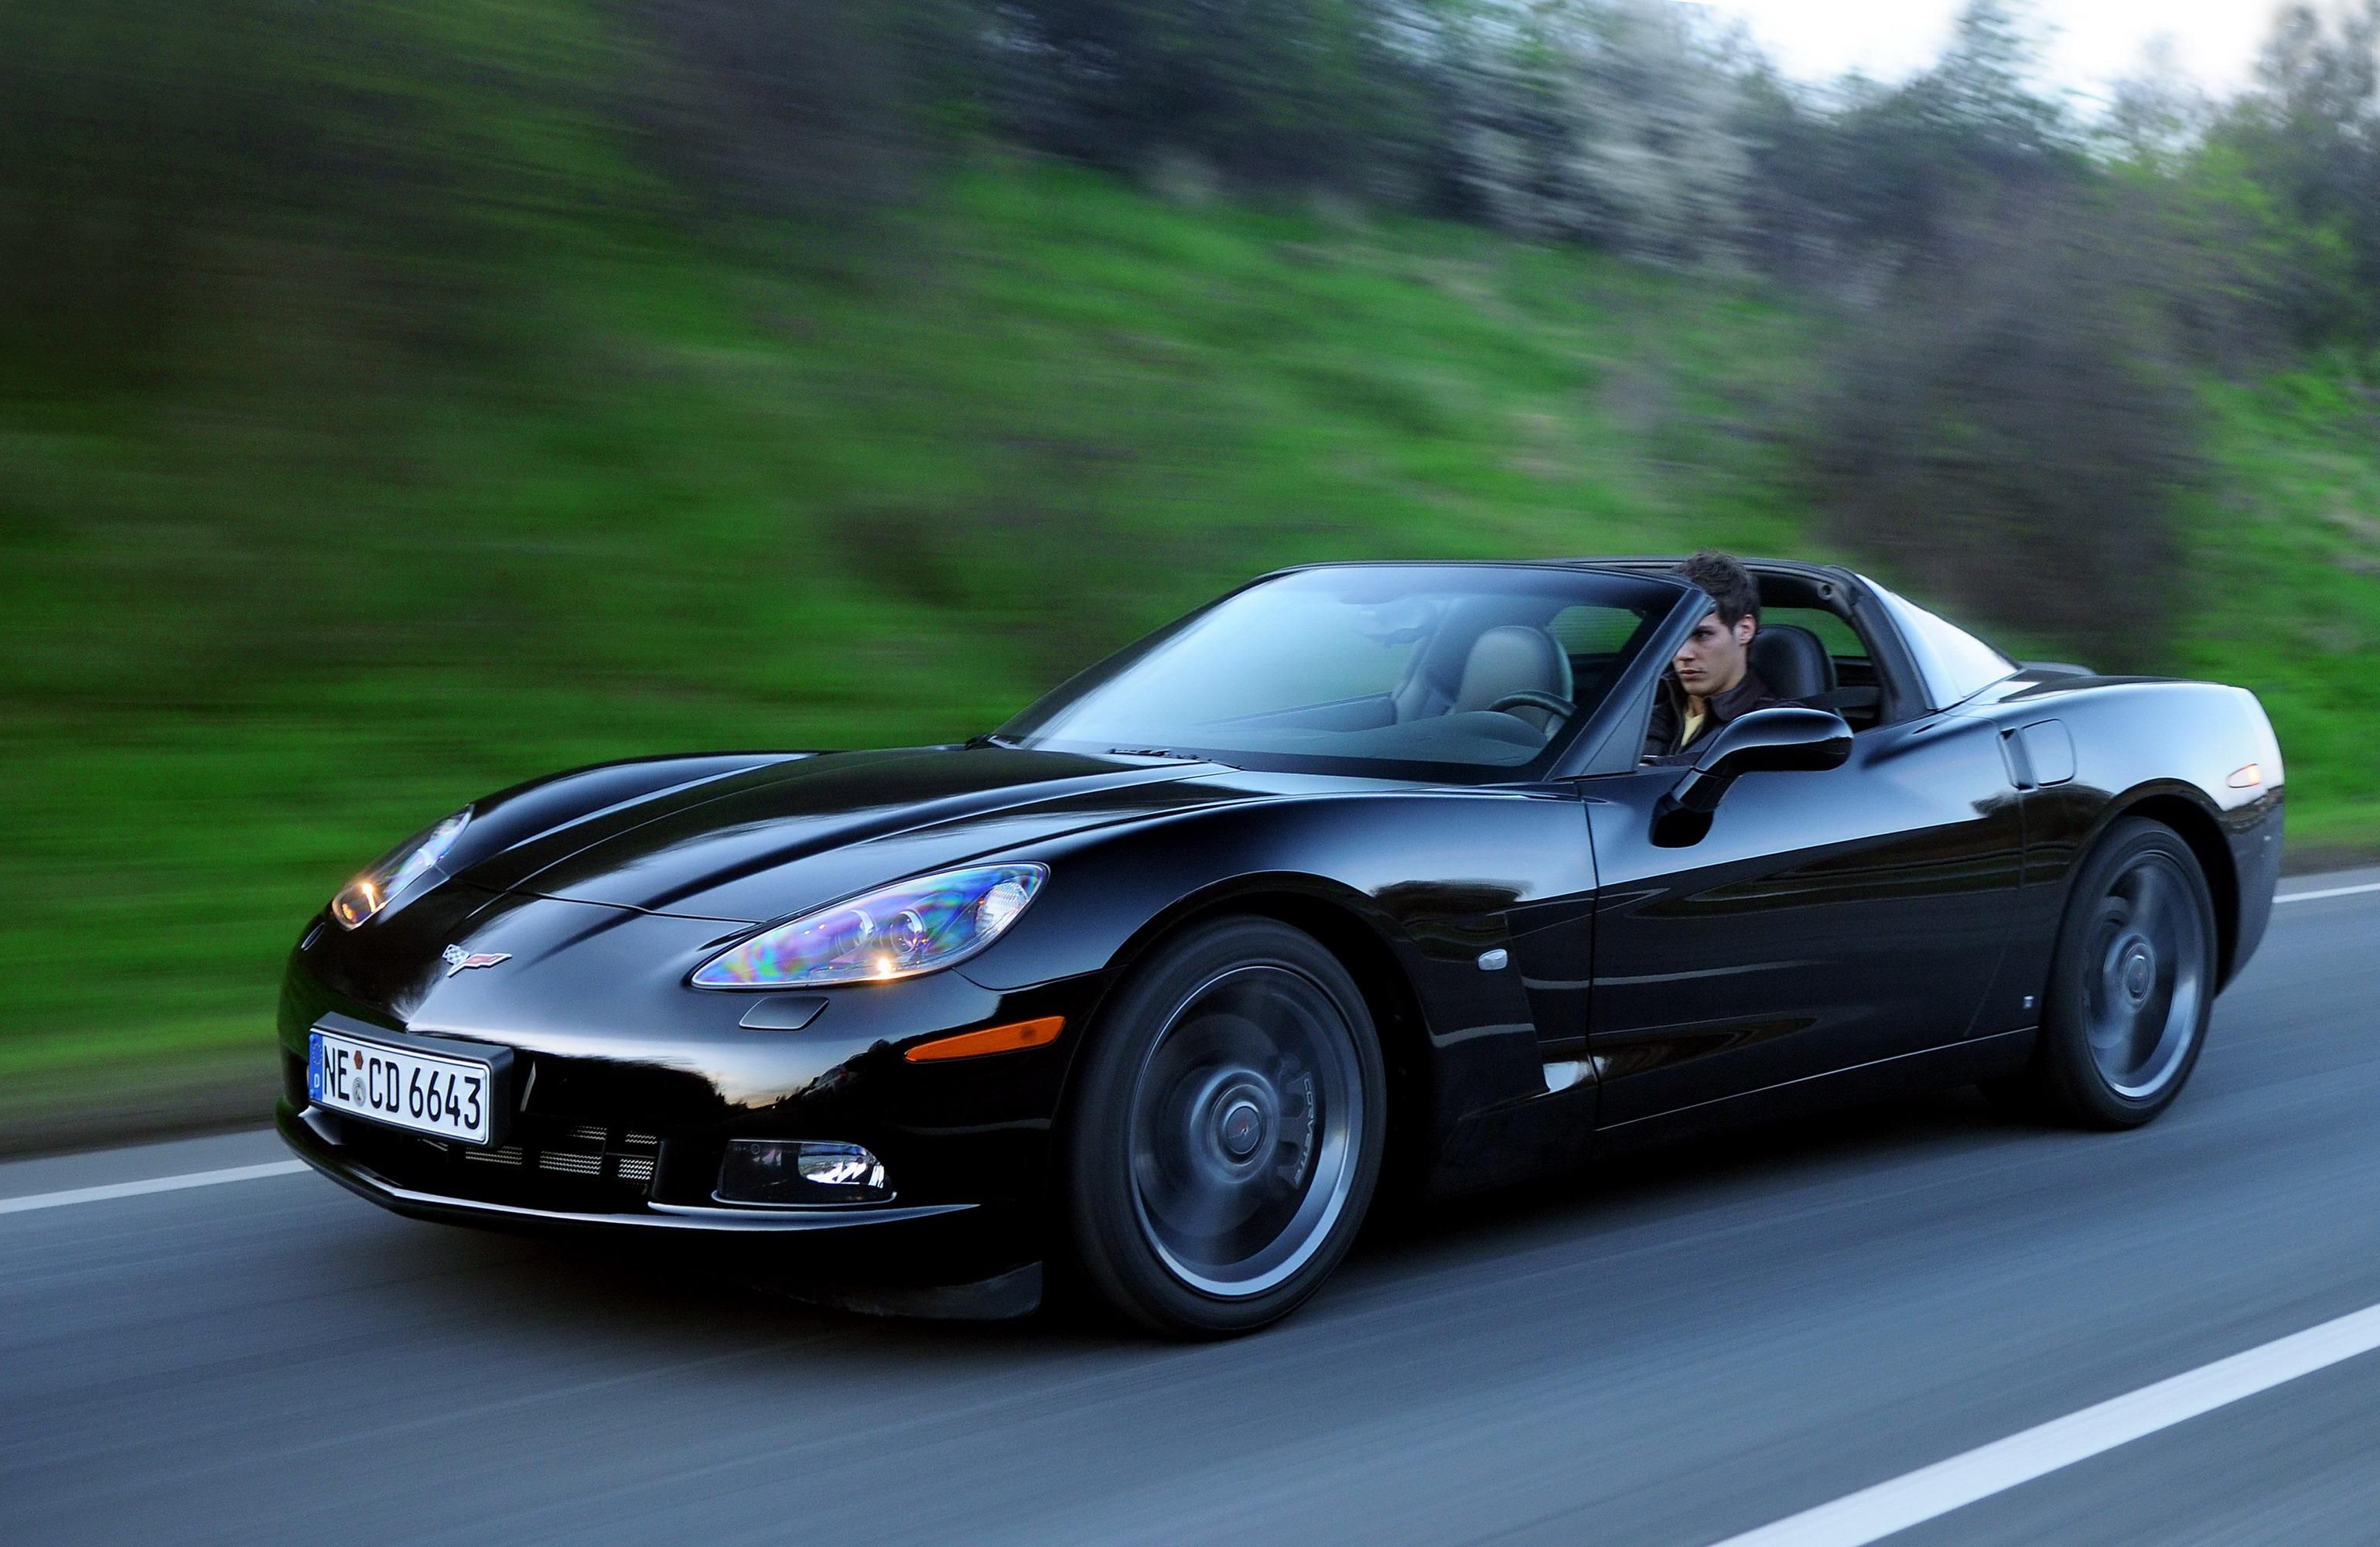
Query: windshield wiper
[[991, 738]]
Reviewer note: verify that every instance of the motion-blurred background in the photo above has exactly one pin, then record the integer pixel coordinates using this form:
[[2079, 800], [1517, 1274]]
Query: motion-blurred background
[[398, 400]]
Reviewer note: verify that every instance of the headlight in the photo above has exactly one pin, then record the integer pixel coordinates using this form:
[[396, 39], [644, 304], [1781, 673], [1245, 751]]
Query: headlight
[[914, 926], [369, 892]]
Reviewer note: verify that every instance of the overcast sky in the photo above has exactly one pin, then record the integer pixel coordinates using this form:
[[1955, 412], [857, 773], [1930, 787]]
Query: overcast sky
[[2094, 42]]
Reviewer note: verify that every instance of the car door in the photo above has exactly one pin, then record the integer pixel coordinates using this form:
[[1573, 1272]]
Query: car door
[[1826, 919]]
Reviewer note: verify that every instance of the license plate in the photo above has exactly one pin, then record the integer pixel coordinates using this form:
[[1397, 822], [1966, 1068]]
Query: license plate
[[450, 1097]]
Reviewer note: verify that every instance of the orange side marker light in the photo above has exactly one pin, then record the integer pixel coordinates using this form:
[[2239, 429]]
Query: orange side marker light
[[2248, 777], [992, 1039]]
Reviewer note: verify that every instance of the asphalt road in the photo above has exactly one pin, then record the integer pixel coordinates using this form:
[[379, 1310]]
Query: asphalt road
[[1673, 1352]]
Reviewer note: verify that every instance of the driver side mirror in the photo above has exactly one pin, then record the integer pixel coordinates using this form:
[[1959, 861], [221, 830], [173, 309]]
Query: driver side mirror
[[1764, 741]]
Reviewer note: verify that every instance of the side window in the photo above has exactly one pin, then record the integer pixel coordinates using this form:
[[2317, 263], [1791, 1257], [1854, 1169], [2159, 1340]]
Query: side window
[[1598, 641], [1593, 632]]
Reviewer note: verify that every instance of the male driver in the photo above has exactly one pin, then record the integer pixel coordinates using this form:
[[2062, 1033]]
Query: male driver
[[1710, 680]]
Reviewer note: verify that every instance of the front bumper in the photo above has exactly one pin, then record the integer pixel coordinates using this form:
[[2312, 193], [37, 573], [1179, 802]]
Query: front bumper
[[330, 1142], [623, 1087], [959, 1261]]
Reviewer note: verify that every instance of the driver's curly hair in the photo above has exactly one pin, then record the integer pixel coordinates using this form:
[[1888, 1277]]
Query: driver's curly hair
[[1727, 583]]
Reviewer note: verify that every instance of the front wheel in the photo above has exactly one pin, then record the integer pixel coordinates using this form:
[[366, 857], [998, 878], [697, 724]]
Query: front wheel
[[1225, 1133], [2131, 982]]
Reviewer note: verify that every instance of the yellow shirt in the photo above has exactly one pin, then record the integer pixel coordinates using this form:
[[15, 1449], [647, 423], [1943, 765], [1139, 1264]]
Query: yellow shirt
[[1695, 718]]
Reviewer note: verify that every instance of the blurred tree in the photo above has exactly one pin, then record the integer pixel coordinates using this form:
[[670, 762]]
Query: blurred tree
[[1606, 122], [2310, 137], [2237, 275], [1881, 177], [807, 111], [1981, 93], [1298, 93], [1810, 203], [163, 163], [130, 135], [2157, 115], [2012, 429]]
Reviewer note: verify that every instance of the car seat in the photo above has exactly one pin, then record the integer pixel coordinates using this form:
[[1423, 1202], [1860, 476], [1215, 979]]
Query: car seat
[[1514, 659], [1793, 662]]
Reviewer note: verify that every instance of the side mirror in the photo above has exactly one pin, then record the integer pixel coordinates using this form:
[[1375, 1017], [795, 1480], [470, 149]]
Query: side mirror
[[1764, 741]]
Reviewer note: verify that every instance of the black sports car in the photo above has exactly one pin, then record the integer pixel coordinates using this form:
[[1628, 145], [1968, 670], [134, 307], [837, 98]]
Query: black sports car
[[1353, 878]]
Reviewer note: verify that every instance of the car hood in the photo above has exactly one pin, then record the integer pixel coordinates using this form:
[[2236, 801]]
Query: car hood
[[776, 839]]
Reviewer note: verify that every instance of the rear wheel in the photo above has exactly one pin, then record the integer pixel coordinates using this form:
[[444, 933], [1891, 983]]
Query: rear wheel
[[1225, 1136], [2131, 984]]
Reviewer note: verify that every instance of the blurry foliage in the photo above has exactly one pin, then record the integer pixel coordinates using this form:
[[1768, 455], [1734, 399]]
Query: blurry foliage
[[807, 114], [2157, 114], [2008, 432], [2289, 599], [1269, 93], [1605, 122], [167, 164], [2309, 138], [2238, 280], [121, 140], [1849, 191]]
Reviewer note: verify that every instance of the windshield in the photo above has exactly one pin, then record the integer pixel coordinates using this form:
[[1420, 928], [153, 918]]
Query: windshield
[[1439, 671]]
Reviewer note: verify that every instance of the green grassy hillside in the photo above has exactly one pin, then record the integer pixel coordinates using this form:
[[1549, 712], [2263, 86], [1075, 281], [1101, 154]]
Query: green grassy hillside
[[265, 617], [2285, 593]]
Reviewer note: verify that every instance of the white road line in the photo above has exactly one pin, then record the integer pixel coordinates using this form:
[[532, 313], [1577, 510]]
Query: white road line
[[154, 1184], [1876, 1513], [2332, 892]]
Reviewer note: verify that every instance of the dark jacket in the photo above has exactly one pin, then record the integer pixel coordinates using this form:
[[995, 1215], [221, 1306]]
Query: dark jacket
[[1661, 744]]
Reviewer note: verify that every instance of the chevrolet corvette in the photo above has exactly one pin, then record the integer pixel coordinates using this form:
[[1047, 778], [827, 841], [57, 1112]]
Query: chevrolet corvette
[[1349, 887]]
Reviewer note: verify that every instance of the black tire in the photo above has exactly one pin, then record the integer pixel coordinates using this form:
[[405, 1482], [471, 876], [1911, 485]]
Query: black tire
[[1225, 1133], [2132, 984]]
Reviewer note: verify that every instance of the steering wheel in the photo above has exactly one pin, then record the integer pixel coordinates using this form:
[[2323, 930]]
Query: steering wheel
[[1530, 698]]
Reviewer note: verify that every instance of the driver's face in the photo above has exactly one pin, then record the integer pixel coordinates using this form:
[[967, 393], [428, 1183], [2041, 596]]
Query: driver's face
[[1714, 657]]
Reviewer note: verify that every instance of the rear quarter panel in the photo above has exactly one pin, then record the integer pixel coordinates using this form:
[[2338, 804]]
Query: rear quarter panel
[[2159, 749]]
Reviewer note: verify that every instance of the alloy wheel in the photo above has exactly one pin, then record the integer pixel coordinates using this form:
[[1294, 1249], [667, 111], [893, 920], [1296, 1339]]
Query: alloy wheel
[[1246, 1122], [2145, 975]]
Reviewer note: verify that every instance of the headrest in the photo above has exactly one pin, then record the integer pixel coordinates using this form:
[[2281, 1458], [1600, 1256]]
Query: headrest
[[1791, 662], [1512, 659]]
